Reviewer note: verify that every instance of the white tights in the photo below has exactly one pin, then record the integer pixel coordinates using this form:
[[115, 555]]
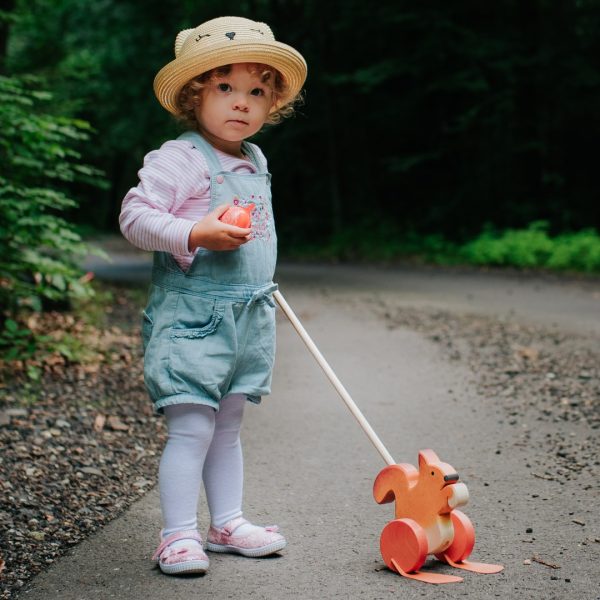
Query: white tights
[[203, 445]]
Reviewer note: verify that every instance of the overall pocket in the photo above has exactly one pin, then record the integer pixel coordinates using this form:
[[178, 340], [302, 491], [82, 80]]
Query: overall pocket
[[202, 348], [196, 317]]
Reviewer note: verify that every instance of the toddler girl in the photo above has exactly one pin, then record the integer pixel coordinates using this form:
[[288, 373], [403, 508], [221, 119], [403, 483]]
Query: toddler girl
[[209, 326]]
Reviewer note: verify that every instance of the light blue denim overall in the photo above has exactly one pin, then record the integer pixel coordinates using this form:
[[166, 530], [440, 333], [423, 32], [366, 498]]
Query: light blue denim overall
[[210, 331]]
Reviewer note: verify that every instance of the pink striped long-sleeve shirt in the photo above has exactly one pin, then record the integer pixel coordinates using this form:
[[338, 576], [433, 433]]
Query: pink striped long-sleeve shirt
[[172, 195]]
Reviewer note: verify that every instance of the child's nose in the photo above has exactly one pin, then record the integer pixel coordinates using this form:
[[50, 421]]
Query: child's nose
[[240, 102]]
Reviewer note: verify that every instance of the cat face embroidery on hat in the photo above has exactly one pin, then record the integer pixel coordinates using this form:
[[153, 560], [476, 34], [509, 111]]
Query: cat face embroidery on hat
[[217, 31], [231, 34]]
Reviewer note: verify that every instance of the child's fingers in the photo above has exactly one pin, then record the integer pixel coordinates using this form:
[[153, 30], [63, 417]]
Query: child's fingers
[[239, 240], [239, 232]]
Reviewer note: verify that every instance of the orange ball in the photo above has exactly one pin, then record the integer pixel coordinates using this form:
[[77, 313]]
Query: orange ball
[[240, 216]]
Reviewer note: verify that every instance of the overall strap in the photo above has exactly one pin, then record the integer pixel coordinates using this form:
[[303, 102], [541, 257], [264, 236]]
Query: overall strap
[[203, 146], [251, 153]]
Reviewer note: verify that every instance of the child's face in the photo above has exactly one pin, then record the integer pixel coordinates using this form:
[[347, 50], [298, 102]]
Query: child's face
[[234, 106]]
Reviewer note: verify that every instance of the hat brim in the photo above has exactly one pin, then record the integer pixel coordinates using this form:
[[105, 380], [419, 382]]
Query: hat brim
[[172, 77]]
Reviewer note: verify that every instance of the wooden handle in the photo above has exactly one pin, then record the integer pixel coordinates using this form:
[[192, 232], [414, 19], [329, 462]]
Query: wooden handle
[[337, 384]]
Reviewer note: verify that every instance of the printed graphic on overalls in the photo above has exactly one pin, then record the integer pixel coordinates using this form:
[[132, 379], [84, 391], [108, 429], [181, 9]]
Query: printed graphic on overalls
[[261, 216]]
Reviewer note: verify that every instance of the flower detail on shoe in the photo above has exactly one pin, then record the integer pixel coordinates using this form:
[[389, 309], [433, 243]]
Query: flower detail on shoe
[[182, 558], [260, 541]]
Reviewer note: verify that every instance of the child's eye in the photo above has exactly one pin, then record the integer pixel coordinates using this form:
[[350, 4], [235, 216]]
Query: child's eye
[[224, 87], [257, 92]]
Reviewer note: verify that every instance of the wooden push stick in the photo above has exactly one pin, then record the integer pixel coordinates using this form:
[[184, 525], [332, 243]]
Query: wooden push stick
[[337, 384]]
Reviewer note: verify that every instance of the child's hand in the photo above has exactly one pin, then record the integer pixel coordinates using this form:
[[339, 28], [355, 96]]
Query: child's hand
[[212, 234]]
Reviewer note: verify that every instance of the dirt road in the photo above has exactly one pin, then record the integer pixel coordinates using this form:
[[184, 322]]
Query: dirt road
[[499, 374]]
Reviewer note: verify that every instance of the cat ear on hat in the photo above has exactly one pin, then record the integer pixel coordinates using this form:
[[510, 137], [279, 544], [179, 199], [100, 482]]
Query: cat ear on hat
[[182, 36]]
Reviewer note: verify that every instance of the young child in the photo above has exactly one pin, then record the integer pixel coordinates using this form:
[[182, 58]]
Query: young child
[[209, 326]]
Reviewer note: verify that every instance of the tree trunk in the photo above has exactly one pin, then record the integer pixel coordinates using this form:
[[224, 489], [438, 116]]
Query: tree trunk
[[324, 36], [6, 6]]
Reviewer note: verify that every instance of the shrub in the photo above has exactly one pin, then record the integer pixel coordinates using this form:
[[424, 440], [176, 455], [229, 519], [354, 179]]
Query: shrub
[[533, 247], [40, 250], [578, 251], [529, 247]]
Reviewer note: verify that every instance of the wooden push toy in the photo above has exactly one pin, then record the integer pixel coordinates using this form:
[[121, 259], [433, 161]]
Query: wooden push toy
[[426, 498], [427, 521]]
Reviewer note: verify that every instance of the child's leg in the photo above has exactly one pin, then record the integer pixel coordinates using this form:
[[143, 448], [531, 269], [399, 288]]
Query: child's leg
[[223, 481], [224, 467], [190, 429]]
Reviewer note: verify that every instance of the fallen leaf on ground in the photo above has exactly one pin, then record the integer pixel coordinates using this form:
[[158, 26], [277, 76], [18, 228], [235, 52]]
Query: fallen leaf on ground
[[99, 422], [116, 424], [528, 352]]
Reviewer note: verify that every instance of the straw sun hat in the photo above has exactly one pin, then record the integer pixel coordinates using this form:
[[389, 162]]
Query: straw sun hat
[[225, 41]]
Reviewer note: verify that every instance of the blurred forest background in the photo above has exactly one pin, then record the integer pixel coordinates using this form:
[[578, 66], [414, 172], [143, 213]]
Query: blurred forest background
[[427, 127], [444, 131]]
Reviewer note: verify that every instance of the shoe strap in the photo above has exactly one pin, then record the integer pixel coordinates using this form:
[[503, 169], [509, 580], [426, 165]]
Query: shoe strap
[[230, 527], [175, 537]]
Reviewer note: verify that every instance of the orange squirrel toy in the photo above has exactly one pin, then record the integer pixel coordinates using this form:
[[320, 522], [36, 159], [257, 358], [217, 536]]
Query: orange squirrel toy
[[426, 520], [240, 216]]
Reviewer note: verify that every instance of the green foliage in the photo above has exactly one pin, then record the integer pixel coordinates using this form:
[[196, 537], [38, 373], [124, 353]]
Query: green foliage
[[529, 247], [578, 251], [532, 247], [445, 115], [39, 249], [33, 343], [17, 342], [374, 240]]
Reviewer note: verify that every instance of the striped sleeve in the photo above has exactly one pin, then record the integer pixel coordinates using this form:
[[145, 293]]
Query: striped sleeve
[[169, 176]]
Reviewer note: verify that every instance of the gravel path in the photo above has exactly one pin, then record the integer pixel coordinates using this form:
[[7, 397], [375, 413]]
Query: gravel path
[[78, 456], [542, 380], [74, 454]]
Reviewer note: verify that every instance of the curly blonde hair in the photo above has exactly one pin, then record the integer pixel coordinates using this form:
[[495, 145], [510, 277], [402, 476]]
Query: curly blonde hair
[[190, 95]]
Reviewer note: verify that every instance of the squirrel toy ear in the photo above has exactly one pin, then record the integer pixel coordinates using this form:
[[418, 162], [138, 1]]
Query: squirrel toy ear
[[427, 457]]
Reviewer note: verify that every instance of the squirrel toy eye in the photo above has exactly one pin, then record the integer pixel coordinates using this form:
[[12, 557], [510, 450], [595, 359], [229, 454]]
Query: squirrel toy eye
[[432, 473]]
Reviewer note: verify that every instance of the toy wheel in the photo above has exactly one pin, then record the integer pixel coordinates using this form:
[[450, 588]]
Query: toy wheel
[[464, 538], [405, 541]]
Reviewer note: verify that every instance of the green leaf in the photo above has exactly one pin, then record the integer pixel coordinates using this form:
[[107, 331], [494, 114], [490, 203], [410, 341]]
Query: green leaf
[[34, 373], [11, 326]]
